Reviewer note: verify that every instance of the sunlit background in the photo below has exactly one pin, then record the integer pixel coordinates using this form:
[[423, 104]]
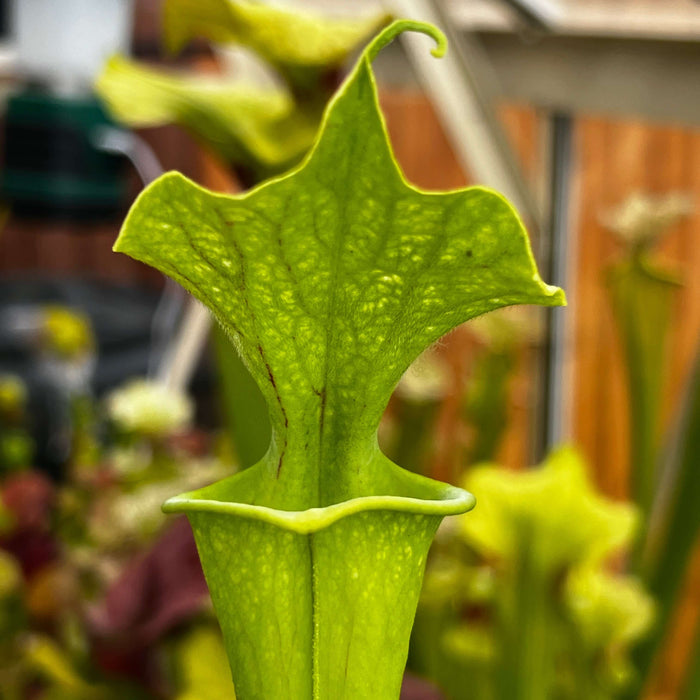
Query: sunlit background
[[578, 429]]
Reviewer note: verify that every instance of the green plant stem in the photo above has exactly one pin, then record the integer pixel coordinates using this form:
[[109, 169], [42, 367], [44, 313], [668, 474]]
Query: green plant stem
[[526, 614], [416, 420], [486, 406], [642, 295], [675, 533], [244, 409]]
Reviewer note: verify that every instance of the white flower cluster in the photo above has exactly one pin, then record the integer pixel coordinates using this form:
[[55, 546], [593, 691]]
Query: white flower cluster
[[643, 218], [149, 409]]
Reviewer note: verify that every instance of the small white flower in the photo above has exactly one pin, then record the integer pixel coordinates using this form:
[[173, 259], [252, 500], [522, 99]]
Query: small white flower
[[643, 218], [149, 409]]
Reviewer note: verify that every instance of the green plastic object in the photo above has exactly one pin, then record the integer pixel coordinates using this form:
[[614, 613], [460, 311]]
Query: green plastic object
[[52, 166], [329, 280]]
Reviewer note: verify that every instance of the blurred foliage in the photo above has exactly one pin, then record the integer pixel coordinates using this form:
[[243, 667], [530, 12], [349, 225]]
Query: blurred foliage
[[486, 403], [145, 464], [610, 613], [48, 661], [674, 531], [486, 399], [65, 359], [664, 482], [16, 443], [642, 294], [519, 600], [411, 424], [201, 667], [415, 406], [262, 131], [66, 332], [243, 406], [691, 686], [68, 550], [13, 398], [520, 505], [6, 519], [302, 47], [641, 220]]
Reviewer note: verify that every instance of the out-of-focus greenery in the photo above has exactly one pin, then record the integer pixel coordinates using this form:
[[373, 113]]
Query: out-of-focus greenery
[[261, 130], [415, 406], [301, 46], [6, 519], [521, 505], [10, 584], [410, 427], [486, 399], [86, 532], [641, 219], [642, 294], [49, 662], [16, 444], [610, 614], [12, 622], [66, 332], [144, 468], [13, 397], [243, 407], [65, 355], [664, 482], [691, 686], [200, 666], [675, 526], [520, 600]]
